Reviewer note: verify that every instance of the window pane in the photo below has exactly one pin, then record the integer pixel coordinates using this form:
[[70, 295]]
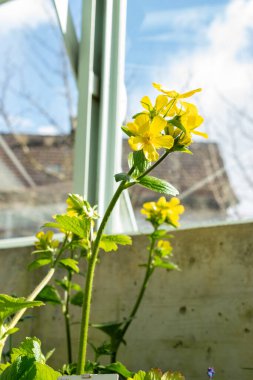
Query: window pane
[[185, 45], [37, 117]]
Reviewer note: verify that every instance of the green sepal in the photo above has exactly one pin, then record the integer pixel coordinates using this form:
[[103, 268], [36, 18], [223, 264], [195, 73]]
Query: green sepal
[[140, 162], [176, 121], [160, 263], [183, 149], [158, 185]]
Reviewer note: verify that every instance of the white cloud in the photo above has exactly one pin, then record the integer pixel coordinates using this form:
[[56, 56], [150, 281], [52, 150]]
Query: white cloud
[[18, 14], [48, 130]]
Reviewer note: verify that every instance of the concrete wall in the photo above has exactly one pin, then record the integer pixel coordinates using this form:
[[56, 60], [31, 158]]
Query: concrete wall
[[189, 320]]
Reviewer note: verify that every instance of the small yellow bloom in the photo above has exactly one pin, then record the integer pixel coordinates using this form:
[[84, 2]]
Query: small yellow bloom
[[191, 119], [174, 94], [159, 107], [164, 244], [163, 212], [147, 136]]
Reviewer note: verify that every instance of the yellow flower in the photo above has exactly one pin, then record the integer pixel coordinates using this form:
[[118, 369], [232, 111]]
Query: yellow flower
[[175, 209], [163, 212], [147, 136], [191, 120], [160, 104], [174, 94]]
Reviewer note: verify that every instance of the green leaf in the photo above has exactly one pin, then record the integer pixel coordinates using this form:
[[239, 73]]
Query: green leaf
[[3, 366], [160, 263], [110, 242], [70, 264], [66, 284], [72, 224], [52, 225], [10, 332], [110, 328], [158, 185], [10, 305], [140, 162], [140, 375], [160, 233], [121, 177], [183, 149], [30, 347], [119, 368], [25, 368], [172, 376], [39, 263], [49, 295], [77, 299]]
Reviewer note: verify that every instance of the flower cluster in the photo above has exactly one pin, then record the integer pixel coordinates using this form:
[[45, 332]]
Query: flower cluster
[[168, 124], [163, 211]]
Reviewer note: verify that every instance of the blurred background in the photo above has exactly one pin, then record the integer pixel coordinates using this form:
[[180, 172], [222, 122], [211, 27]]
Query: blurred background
[[183, 45]]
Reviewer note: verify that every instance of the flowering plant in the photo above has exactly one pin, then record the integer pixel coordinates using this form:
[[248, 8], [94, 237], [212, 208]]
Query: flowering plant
[[155, 132]]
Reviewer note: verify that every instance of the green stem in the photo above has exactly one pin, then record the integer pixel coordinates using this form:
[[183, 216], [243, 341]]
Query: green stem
[[148, 273], [89, 283], [67, 317]]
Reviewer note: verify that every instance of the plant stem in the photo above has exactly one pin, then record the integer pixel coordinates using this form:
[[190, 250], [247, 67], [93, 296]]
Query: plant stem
[[148, 273], [67, 318], [89, 283]]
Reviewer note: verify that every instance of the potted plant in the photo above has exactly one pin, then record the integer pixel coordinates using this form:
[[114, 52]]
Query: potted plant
[[168, 125]]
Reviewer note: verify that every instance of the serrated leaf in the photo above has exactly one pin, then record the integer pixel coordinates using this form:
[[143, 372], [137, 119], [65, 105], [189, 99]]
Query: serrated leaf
[[70, 264], [49, 295], [110, 242], [140, 375], [30, 347], [121, 177], [25, 368], [77, 299], [10, 305], [72, 224], [39, 263], [158, 185]]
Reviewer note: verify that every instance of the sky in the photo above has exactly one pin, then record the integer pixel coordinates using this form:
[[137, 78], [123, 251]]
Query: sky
[[183, 44]]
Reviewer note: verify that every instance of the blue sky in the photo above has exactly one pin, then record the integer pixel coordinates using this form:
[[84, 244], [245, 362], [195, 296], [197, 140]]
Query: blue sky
[[182, 44]]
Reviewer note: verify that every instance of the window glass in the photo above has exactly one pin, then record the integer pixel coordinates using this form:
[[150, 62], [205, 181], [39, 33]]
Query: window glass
[[185, 45], [37, 117]]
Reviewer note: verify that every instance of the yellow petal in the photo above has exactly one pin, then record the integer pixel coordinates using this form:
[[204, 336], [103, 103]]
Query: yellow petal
[[157, 125], [136, 142], [146, 103], [189, 93], [150, 152], [132, 127], [161, 102], [161, 202], [203, 134], [163, 141], [141, 119]]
